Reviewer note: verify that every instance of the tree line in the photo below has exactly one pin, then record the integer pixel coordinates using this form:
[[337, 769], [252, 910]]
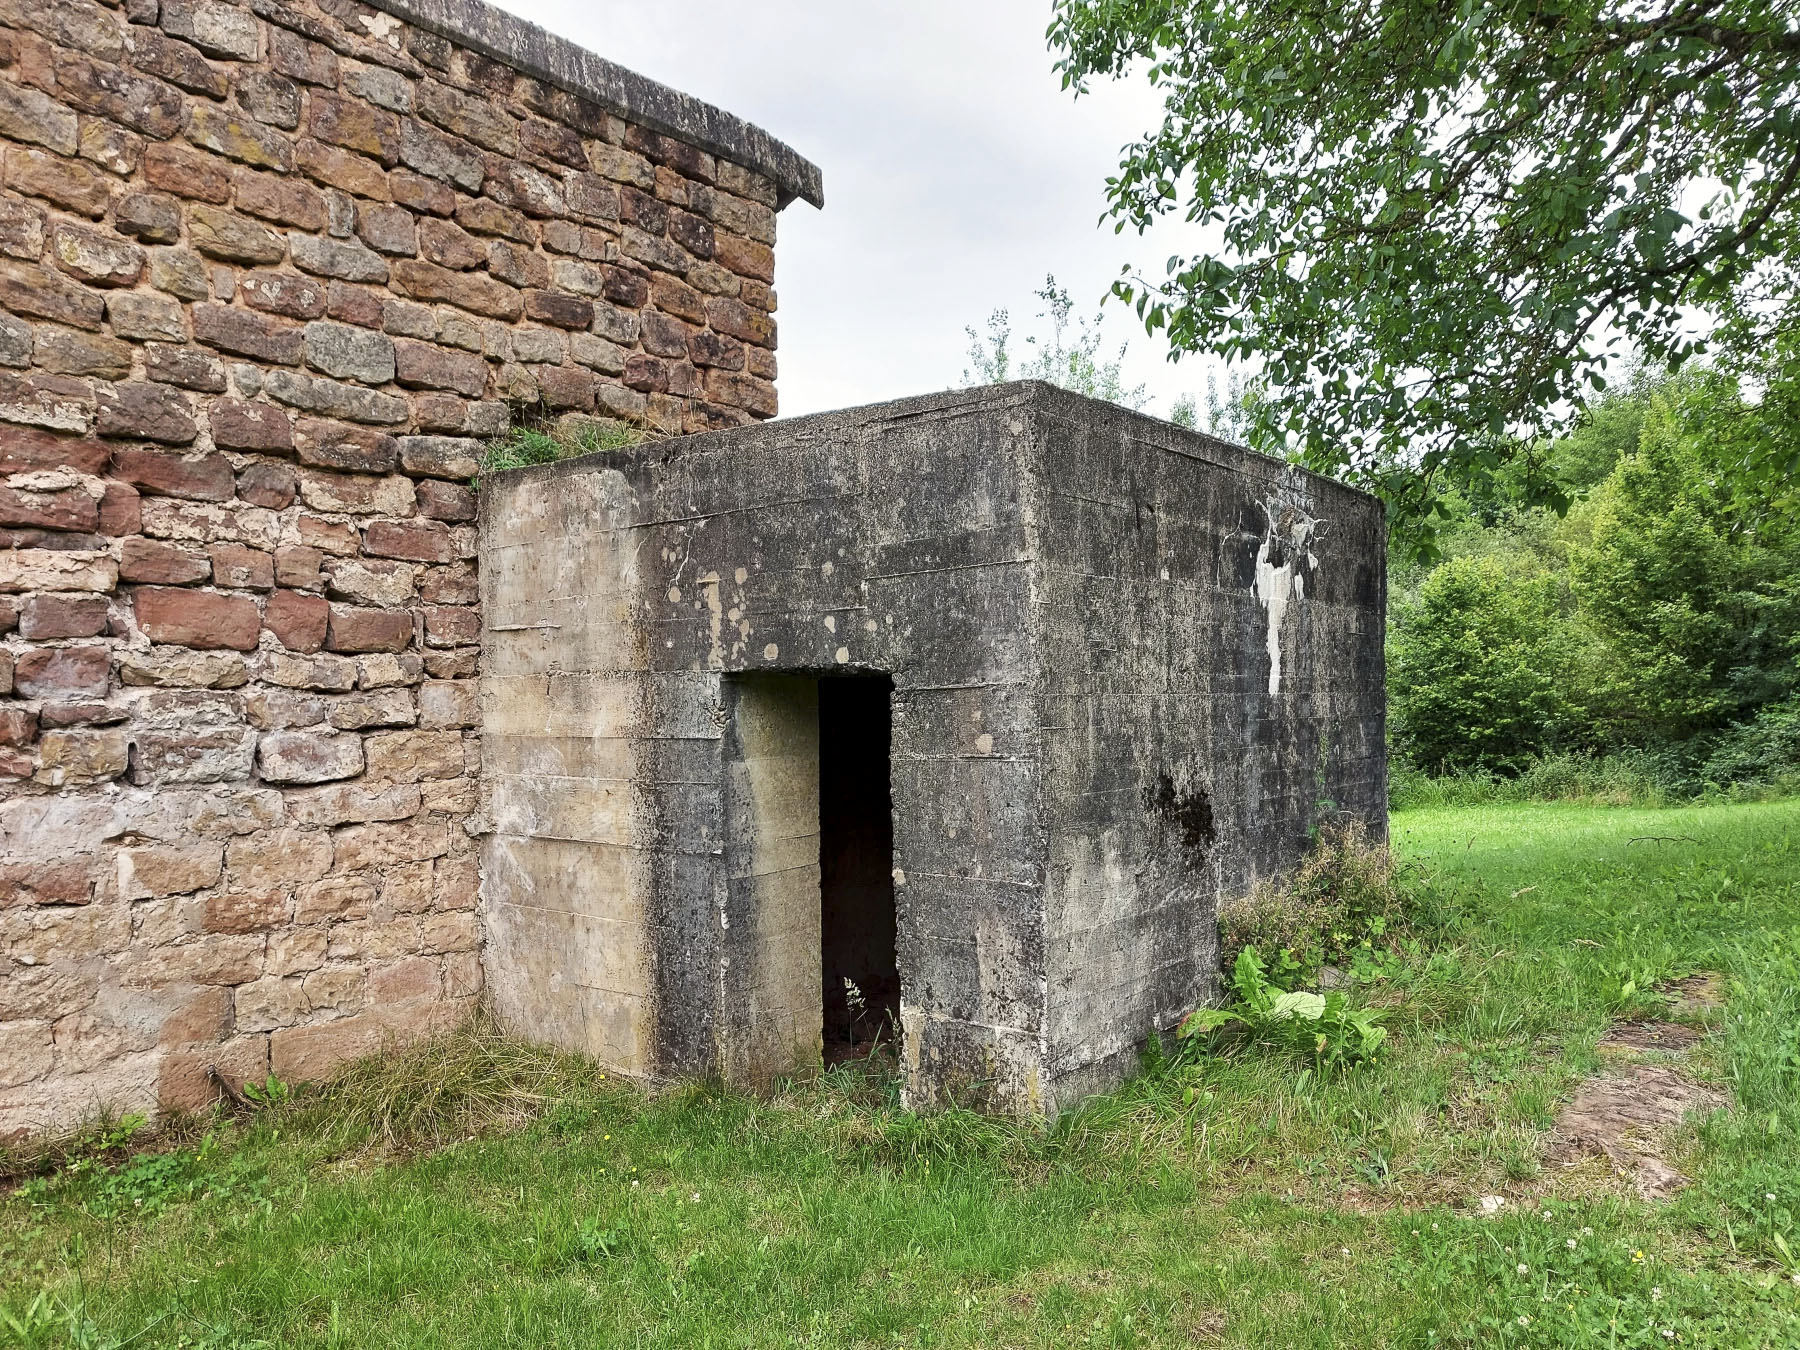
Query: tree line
[[1657, 616]]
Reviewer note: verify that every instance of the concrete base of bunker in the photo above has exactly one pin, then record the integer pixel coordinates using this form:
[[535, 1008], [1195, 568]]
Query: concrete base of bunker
[[969, 706]]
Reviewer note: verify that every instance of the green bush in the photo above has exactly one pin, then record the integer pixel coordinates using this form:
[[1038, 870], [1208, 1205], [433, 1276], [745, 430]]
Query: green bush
[[1764, 750], [1691, 590], [1646, 646], [1480, 669]]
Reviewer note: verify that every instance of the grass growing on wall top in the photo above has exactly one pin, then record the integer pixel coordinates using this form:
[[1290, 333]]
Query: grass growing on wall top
[[1230, 1201], [550, 442]]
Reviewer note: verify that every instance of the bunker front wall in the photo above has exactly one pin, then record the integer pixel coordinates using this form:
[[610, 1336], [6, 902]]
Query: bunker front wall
[[1087, 746], [1212, 689], [270, 275], [651, 887]]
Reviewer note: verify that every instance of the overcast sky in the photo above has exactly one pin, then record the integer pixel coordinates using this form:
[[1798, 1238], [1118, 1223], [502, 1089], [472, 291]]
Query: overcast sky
[[957, 172]]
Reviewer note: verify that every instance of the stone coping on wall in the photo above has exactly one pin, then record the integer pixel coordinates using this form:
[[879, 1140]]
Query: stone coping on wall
[[543, 55]]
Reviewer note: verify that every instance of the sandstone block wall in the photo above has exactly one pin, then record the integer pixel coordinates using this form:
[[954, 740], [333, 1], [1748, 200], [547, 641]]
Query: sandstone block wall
[[269, 275]]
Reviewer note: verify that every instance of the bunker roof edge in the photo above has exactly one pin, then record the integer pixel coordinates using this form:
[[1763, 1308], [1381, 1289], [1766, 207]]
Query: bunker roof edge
[[946, 402], [543, 55]]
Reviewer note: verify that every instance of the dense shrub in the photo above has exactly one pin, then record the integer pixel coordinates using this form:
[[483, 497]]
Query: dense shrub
[[1766, 749], [1481, 663], [1644, 645], [1691, 593]]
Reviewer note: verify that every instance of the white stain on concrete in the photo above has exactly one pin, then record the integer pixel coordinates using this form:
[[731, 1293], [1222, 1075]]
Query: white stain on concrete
[[1282, 564], [715, 621]]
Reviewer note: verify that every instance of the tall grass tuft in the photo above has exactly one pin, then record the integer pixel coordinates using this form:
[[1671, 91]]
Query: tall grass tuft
[[548, 442], [472, 1080], [1624, 779]]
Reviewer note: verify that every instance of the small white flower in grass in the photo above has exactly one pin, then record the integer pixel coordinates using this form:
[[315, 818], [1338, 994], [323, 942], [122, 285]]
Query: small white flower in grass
[[1524, 1321], [1548, 1215], [695, 1197], [1415, 1232], [1668, 1333], [1524, 1269], [1656, 1293], [1434, 1228], [1570, 1244], [1587, 1232], [1769, 1196], [1343, 1251]]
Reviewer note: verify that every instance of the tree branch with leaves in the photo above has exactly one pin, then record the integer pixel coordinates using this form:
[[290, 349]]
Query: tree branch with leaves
[[1439, 223]]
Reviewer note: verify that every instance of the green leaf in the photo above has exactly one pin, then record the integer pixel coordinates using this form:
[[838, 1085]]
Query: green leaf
[[1301, 1003], [1433, 220], [1202, 1021]]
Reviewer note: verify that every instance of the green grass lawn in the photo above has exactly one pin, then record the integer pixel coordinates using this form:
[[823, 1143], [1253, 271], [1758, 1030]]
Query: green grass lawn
[[1237, 1202]]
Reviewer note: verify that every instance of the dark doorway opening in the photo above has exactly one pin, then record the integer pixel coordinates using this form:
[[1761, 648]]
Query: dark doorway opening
[[861, 975]]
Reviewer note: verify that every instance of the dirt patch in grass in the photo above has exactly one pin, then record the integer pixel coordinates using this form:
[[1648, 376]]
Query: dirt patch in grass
[[1670, 1036], [1625, 1114], [1624, 1117], [1699, 996]]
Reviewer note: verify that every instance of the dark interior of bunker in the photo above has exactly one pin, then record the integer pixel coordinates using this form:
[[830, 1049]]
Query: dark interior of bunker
[[860, 974]]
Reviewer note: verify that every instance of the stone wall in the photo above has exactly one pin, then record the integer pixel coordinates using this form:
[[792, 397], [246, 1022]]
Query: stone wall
[[269, 274]]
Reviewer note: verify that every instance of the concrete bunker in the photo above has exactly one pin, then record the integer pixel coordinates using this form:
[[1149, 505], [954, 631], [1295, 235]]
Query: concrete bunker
[[1039, 678]]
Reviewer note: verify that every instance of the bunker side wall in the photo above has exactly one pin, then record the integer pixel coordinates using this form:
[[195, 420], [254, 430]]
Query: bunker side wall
[[269, 275], [1181, 763]]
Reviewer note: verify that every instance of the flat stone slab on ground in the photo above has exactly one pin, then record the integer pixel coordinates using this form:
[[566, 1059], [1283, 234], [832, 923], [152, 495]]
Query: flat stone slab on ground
[[1623, 1115], [1670, 1036]]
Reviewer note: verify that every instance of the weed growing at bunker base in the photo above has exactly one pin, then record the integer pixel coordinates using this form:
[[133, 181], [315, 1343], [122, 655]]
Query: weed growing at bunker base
[[1326, 1028], [1349, 901]]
